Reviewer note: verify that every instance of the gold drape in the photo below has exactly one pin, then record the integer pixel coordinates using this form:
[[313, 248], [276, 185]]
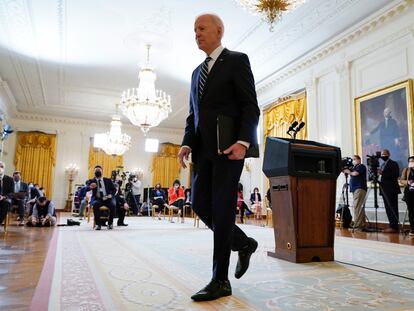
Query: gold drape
[[283, 113], [165, 165], [35, 158], [108, 162]]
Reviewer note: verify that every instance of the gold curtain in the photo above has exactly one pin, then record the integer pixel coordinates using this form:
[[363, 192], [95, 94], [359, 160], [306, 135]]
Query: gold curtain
[[35, 158], [165, 166], [283, 113], [108, 162]]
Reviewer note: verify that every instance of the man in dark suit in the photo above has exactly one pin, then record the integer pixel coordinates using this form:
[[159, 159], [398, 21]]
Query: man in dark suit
[[20, 195], [389, 189], [222, 85], [6, 192], [103, 190], [389, 132]]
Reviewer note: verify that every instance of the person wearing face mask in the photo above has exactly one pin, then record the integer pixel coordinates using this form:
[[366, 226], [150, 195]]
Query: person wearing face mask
[[256, 202], [407, 179], [358, 188], [21, 193], [103, 190], [121, 206], [157, 197], [176, 197], [6, 192], [389, 189]]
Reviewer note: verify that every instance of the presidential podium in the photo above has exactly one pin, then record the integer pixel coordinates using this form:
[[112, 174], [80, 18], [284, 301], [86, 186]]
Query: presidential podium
[[302, 177]]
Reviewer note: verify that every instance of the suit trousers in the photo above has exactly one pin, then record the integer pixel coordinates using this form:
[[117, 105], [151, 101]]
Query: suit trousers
[[97, 203], [391, 206], [5, 205], [20, 207], [214, 200]]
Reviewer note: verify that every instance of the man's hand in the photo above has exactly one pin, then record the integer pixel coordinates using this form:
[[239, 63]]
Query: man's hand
[[346, 171], [92, 185], [2, 197], [126, 206], [236, 151], [183, 154]]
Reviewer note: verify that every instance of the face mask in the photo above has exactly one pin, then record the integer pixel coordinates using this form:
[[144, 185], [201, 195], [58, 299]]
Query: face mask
[[385, 158], [1, 170], [411, 164], [16, 179], [354, 163], [98, 174]]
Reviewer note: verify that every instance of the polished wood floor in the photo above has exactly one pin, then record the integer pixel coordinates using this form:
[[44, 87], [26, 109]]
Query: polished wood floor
[[23, 251]]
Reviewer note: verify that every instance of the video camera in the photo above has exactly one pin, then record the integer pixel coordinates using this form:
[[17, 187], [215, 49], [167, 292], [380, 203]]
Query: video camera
[[373, 165], [346, 163]]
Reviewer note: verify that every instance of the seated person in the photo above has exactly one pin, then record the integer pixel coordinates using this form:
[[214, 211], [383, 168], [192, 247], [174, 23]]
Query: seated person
[[187, 195], [157, 197], [84, 198], [176, 197], [34, 193], [241, 205], [256, 202], [103, 190], [20, 195], [43, 213], [6, 193], [121, 206]]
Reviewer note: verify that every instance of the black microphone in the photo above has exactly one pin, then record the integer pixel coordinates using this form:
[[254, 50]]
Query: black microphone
[[292, 126], [302, 124]]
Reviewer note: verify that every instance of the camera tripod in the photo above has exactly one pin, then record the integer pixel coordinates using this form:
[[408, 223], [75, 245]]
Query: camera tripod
[[345, 198], [376, 206]]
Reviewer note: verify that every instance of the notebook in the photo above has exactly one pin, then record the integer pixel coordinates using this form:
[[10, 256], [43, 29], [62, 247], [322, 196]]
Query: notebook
[[227, 130]]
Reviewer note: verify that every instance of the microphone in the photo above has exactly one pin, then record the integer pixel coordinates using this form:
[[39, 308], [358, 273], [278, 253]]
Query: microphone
[[292, 126], [302, 124]]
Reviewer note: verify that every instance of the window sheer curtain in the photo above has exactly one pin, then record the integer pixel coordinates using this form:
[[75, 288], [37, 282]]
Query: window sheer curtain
[[35, 158]]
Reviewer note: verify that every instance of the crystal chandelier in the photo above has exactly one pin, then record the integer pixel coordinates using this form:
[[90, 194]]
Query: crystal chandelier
[[114, 142], [270, 10], [145, 106]]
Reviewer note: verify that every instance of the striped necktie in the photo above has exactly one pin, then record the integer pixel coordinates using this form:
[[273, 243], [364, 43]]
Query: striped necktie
[[203, 77]]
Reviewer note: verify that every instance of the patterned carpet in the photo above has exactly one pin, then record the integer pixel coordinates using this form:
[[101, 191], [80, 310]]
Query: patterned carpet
[[156, 265]]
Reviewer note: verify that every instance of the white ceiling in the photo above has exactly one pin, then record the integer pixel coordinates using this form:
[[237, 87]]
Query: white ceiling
[[73, 58]]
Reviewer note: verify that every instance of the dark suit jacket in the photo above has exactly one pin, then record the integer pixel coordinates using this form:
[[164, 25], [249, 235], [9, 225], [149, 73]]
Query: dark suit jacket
[[8, 187], [35, 193], [229, 90], [23, 188], [252, 198], [108, 184], [389, 177]]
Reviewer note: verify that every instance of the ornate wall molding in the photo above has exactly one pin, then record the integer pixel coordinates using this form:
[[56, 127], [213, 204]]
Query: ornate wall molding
[[16, 18], [341, 42], [82, 122]]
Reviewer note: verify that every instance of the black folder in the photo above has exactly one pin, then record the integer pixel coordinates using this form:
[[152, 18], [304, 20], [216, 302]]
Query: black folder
[[227, 130]]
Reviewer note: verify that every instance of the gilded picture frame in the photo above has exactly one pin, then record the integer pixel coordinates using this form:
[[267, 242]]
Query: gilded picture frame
[[384, 120]]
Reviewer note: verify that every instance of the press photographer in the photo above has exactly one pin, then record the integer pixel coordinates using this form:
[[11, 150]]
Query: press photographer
[[358, 188], [133, 193]]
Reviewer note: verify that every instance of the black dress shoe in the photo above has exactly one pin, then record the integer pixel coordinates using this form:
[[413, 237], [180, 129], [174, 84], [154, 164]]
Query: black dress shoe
[[214, 290], [122, 225], [110, 227], [244, 258], [98, 227]]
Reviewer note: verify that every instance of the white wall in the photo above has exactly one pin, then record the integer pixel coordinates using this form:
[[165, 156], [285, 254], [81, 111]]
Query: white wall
[[73, 140], [373, 54]]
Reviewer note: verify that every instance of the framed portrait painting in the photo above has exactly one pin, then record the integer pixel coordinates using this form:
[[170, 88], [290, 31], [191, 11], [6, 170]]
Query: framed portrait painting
[[384, 120]]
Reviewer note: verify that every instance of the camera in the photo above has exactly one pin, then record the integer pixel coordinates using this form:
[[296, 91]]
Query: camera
[[373, 165], [346, 163]]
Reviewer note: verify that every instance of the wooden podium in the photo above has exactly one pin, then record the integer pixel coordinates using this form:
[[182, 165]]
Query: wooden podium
[[302, 178]]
